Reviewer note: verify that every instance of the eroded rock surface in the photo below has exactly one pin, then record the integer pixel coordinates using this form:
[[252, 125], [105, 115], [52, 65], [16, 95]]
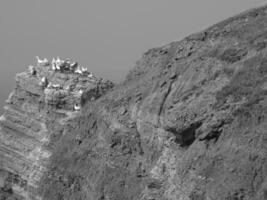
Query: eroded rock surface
[[35, 115], [188, 123]]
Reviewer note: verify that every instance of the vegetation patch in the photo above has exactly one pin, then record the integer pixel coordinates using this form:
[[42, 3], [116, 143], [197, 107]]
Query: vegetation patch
[[246, 83]]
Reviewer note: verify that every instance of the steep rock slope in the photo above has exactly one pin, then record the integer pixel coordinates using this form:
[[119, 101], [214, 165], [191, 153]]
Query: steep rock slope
[[35, 114], [188, 123]]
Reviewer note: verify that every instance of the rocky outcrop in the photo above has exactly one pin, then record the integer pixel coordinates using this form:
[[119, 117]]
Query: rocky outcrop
[[35, 114], [188, 123]]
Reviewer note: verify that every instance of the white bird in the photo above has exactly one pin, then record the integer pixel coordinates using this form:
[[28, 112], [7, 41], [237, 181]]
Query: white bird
[[80, 92], [90, 75], [43, 62], [38, 59], [73, 65], [78, 70], [56, 86], [44, 82], [59, 63], [49, 85], [58, 60], [32, 70], [84, 69], [57, 66], [77, 107], [54, 64]]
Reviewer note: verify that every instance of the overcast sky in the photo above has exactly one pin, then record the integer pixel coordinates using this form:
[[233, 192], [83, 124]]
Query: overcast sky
[[107, 36]]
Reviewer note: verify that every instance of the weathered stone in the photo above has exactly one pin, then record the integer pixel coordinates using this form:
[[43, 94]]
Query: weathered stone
[[29, 122], [200, 134]]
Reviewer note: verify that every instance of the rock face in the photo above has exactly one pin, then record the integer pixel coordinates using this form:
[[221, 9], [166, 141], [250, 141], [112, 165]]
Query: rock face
[[188, 123], [34, 115]]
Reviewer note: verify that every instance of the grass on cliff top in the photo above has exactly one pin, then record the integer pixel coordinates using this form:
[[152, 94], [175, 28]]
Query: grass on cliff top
[[246, 83]]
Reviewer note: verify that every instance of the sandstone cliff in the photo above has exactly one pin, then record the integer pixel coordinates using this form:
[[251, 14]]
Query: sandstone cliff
[[188, 123]]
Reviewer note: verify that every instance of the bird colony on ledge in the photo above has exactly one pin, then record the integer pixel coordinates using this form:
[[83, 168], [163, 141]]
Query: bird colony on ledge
[[62, 66]]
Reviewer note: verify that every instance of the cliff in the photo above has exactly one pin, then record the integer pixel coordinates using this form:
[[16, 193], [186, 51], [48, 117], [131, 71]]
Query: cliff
[[188, 123], [34, 116]]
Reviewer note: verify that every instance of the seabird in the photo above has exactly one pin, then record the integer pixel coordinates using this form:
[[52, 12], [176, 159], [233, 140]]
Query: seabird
[[49, 85], [58, 60], [78, 70], [56, 86], [73, 65], [44, 82], [43, 62], [90, 75], [77, 107], [54, 64], [59, 63], [58, 67], [32, 70], [80, 91], [84, 69]]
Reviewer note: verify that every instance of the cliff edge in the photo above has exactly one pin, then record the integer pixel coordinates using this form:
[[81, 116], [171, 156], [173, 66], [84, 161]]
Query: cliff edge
[[42, 103], [188, 123]]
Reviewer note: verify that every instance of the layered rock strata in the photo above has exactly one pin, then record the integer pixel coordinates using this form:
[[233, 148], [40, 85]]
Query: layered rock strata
[[35, 113], [188, 123]]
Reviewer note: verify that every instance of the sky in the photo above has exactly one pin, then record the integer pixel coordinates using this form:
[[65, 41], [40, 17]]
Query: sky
[[107, 36]]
